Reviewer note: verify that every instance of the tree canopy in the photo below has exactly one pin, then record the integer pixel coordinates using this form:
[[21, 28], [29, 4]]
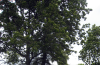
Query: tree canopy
[[39, 31], [90, 52], [96, 63]]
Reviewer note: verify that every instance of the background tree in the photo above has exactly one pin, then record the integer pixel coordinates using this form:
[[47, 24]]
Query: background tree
[[39, 31], [90, 52]]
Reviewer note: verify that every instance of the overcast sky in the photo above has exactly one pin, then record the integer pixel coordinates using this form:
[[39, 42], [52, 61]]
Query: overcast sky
[[92, 18]]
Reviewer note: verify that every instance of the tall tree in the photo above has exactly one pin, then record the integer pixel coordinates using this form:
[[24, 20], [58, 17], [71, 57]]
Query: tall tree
[[90, 52], [39, 31]]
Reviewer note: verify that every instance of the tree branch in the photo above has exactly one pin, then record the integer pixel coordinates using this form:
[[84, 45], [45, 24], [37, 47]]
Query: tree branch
[[19, 52]]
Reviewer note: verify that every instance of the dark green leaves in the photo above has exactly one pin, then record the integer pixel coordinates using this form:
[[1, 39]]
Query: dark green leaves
[[41, 30]]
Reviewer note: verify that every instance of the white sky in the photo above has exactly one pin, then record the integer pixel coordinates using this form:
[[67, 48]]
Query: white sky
[[92, 18]]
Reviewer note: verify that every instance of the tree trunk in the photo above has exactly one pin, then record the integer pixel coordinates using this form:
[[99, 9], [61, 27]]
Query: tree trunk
[[28, 56], [44, 59], [27, 62]]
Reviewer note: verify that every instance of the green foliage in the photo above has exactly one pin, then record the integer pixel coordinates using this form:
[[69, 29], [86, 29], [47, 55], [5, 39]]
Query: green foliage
[[81, 64], [38, 31], [90, 52], [96, 63]]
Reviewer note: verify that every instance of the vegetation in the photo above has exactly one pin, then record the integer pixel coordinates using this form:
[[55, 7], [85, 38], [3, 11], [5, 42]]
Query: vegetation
[[81, 64], [90, 52], [96, 63], [39, 31]]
